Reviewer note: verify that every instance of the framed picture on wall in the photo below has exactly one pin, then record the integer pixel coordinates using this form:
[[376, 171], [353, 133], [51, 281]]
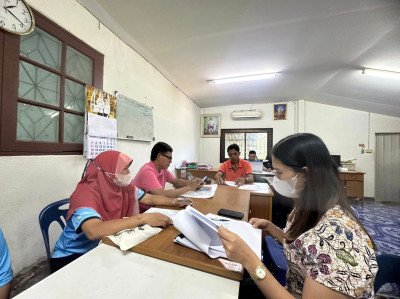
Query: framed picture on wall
[[210, 125], [280, 111]]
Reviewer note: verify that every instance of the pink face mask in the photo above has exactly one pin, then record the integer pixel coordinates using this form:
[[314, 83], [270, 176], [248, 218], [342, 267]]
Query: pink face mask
[[122, 180]]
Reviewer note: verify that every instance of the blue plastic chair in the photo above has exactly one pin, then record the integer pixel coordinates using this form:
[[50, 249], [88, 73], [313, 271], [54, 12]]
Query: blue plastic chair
[[47, 216], [275, 259], [388, 272]]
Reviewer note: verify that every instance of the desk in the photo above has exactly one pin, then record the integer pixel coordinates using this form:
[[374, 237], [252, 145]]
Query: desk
[[107, 272], [261, 202], [197, 173], [261, 177], [162, 246], [353, 182]]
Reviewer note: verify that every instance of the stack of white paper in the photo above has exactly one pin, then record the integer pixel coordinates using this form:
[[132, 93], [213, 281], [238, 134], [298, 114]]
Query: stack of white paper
[[200, 233]]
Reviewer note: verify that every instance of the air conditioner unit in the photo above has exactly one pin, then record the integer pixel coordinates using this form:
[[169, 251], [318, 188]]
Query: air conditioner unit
[[246, 114]]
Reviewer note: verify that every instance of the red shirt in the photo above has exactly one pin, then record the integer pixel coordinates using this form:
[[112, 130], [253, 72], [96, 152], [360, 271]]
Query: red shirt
[[243, 169]]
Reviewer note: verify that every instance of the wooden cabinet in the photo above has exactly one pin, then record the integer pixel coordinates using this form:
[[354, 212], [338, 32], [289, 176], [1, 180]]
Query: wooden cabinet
[[354, 183]]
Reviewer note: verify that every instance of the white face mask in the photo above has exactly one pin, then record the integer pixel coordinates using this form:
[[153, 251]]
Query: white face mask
[[122, 180], [287, 187]]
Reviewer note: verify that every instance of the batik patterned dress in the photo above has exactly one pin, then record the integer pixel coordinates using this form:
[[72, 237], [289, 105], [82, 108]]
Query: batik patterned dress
[[336, 253]]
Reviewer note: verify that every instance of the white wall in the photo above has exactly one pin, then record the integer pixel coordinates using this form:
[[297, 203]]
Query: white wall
[[209, 147], [29, 183], [341, 129]]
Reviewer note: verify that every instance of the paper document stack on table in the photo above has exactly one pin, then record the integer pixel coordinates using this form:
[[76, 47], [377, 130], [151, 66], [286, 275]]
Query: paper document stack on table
[[199, 232]]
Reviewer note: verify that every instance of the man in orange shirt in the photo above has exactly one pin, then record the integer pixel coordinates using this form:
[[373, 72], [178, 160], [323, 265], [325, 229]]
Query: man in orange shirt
[[235, 169]]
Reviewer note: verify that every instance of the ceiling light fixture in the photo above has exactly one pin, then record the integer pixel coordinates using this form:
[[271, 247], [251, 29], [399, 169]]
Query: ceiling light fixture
[[381, 73], [244, 78]]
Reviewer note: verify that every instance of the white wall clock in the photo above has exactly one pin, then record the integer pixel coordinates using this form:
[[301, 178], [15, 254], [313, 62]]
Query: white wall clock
[[16, 17]]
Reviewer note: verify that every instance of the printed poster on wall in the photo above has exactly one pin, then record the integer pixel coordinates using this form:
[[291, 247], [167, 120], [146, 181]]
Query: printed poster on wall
[[101, 110], [101, 122]]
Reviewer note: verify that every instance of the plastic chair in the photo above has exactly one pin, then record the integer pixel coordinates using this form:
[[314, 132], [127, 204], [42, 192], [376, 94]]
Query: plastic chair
[[275, 259], [47, 216], [388, 272]]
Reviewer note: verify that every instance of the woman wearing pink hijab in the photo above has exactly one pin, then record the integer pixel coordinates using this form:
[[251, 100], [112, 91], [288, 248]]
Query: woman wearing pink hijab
[[99, 204]]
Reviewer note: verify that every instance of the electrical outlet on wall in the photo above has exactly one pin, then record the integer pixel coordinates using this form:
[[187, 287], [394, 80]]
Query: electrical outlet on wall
[[369, 150]]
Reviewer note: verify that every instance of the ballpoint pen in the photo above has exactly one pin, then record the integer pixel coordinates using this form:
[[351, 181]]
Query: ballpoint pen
[[219, 219]]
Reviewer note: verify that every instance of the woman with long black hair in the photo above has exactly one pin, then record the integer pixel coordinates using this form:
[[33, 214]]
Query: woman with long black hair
[[329, 252]]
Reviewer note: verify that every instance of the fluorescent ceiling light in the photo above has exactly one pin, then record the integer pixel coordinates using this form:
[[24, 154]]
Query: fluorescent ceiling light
[[244, 78], [381, 73]]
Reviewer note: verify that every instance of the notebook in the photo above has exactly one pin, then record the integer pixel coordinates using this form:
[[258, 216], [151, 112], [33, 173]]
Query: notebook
[[257, 166]]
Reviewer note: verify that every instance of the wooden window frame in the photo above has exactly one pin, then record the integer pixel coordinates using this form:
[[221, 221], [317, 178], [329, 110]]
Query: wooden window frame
[[9, 81], [222, 148]]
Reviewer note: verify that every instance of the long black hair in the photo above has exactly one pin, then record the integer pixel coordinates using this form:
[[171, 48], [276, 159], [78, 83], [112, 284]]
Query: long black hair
[[322, 188]]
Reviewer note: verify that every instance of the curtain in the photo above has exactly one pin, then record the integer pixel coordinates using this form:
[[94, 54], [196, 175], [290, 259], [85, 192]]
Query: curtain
[[387, 176]]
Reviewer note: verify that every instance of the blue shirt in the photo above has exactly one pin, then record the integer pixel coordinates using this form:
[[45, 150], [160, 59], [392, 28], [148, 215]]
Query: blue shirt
[[6, 273], [72, 239]]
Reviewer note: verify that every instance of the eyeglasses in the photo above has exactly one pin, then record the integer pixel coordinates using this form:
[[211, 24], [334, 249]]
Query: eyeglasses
[[168, 157]]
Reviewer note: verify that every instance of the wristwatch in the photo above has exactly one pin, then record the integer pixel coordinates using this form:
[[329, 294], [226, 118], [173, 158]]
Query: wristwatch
[[259, 273]]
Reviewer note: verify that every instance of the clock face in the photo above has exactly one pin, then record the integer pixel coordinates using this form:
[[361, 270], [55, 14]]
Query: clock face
[[16, 17], [260, 272]]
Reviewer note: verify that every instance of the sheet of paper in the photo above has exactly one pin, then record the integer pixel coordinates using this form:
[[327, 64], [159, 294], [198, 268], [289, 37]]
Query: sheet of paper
[[201, 217], [250, 187], [206, 191], [252, 236], [186, 242], [230, 183], [198, 231], [167, 212], [100, 126]]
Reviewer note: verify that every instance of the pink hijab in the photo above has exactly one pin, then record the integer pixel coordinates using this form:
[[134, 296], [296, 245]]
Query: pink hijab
[[97, 190]]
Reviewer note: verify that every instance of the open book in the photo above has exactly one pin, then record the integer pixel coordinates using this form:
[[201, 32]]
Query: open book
[[200, 232]]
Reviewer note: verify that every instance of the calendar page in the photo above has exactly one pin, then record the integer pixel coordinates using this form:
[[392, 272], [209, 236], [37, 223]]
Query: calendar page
[[97, 145]]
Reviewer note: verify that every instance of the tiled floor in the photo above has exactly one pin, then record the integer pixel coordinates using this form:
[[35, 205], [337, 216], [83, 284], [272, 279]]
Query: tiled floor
[[29, 276]]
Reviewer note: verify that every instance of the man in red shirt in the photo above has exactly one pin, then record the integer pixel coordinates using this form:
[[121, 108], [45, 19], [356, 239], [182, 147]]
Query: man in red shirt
[[235, 169]]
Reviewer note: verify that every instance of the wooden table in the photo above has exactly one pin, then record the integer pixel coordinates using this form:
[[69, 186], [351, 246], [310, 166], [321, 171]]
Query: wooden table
[[161, 246]]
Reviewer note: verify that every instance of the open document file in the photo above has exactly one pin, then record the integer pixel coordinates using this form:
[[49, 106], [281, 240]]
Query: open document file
[[200, 232]]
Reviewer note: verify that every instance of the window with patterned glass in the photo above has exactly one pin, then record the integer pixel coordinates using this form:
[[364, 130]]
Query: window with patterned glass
[[258, 140], [43, 95]]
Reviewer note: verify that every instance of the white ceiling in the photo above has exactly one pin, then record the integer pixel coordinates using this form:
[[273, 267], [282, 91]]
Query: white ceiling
[[318, 46]]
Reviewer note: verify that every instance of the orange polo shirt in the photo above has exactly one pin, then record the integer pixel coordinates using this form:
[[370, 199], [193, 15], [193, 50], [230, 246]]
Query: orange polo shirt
[[232, 175]]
